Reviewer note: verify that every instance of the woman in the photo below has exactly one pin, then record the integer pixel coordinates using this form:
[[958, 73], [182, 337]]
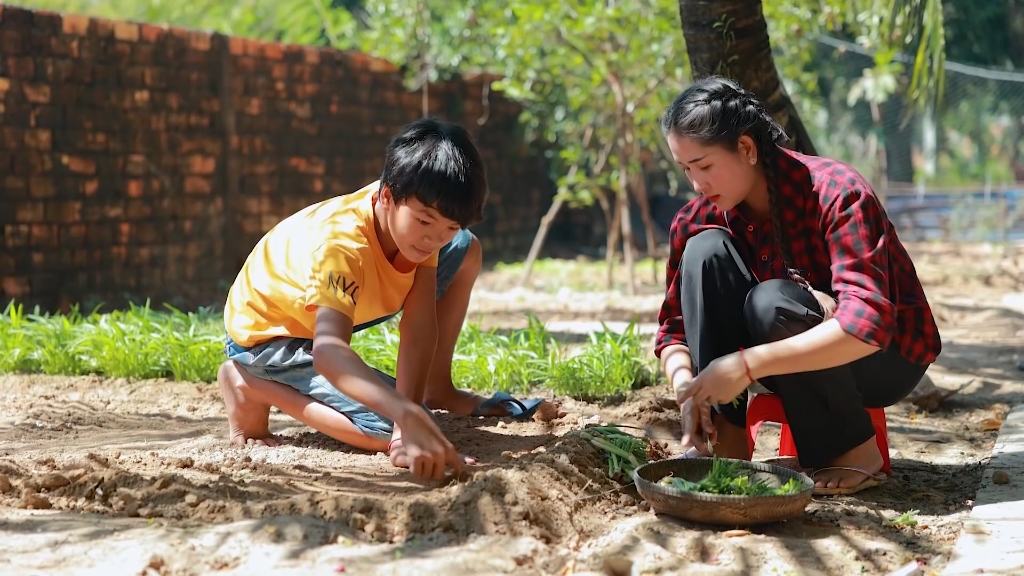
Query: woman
[[784, 271]]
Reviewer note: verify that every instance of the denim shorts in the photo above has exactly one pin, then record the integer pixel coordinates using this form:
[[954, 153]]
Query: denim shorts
[[289, 361]]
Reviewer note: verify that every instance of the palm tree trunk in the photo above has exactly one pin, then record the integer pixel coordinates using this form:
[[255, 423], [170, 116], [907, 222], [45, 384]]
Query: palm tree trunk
[[899, 139], [730, 38], [1015, 26]]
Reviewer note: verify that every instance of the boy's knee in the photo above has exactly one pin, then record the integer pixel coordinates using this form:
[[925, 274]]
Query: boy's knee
[[459, 263], [474, 259], [226, 371], [467, 250], [231, 373]]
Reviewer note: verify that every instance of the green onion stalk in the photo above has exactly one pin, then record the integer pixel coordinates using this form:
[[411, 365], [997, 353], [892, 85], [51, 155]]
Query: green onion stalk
[[625, 452]]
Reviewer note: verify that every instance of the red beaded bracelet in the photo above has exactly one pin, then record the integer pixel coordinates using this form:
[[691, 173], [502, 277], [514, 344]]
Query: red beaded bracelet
[[392, 443], [746, 367]]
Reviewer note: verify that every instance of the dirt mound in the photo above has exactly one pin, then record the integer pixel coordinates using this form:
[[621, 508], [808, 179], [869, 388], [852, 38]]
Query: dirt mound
[[536, 494], [157, 449]]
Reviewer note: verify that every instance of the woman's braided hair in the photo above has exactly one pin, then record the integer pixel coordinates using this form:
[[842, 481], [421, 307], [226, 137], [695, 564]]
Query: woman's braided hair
[[718, 111]]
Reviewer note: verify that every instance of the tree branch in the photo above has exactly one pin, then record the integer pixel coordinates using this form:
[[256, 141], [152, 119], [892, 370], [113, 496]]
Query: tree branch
[[326, 23], [602, 157], [586, 57], [649, 91], [586, 142]]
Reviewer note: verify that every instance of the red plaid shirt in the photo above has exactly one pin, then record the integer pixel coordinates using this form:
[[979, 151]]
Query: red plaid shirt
[[842, 243]]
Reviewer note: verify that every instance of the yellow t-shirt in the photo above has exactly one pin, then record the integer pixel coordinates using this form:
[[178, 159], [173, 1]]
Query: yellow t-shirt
[[327, 254]]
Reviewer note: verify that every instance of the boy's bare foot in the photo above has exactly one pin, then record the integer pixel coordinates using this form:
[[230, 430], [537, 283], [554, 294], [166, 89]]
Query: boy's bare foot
[[865, 457], [248, 421], [462, 403]]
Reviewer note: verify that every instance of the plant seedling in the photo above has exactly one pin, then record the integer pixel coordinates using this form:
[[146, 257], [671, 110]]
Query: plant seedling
[[907, 519]]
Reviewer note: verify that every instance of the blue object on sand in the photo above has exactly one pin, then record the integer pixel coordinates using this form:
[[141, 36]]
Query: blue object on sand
[[519, 409]]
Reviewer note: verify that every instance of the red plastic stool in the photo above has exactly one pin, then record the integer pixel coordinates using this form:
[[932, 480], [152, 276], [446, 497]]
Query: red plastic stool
[[768, 408]]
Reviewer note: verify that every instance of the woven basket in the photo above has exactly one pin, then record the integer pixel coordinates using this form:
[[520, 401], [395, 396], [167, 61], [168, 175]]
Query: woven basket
[[727, 510]]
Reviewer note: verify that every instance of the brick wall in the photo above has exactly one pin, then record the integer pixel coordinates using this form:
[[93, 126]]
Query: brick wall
[[141, 161]]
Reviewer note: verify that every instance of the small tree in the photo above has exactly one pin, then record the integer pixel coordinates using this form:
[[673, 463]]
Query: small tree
[[615, 79], [592, 77]]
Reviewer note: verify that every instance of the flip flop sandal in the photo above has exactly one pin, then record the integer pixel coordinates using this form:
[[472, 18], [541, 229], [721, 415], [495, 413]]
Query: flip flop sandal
[[870, 481], [518, 409]]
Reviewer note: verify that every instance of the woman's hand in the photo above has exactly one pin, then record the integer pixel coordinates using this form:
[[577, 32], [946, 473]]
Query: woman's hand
[[721, 382], [698, 431]]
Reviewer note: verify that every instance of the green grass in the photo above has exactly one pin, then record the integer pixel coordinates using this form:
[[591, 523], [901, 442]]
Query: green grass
[[584, 275], [144, 343], [569, 267]]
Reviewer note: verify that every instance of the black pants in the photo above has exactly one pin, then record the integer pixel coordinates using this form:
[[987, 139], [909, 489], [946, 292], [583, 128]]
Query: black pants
[[725, 308]]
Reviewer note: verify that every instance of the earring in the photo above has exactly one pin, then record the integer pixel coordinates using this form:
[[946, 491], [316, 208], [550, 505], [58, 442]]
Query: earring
[[753, 160]]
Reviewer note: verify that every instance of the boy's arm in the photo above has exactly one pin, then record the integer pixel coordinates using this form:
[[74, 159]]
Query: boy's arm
[[335, 360], [333, 288], [418, 330], [424, 449]]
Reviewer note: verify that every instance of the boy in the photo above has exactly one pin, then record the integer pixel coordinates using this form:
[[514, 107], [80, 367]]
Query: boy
[[349, 263]]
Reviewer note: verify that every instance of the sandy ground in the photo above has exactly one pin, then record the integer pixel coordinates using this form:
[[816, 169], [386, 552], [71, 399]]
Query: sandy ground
[[103, 476]]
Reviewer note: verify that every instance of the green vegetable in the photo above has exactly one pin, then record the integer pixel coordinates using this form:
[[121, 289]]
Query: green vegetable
[[625, 452], [729, 477]]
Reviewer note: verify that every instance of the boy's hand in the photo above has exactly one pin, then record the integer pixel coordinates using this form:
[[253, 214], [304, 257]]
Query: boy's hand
[[420, 445]]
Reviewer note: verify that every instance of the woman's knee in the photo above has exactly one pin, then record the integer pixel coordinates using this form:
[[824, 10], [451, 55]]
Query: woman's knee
[[777, 309], [707, 245]]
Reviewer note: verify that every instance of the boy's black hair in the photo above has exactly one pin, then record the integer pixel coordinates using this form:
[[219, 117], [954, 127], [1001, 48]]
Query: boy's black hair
[[437, 163]]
